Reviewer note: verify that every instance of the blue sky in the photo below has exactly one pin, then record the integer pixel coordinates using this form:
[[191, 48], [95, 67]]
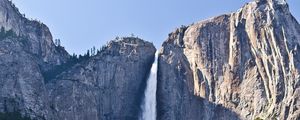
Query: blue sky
[[82, 24]]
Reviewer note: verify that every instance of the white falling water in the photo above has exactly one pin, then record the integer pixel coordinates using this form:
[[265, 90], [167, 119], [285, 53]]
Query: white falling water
[[149, 103]]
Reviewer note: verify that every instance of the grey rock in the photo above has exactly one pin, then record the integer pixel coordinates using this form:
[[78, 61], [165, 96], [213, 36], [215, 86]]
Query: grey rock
[[23, 57], [109, 86], [40, 41], [246, 63], [21, 82], [106, 86]]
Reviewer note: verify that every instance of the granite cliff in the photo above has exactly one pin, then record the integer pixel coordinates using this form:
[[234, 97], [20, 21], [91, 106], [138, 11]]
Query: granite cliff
[[108, 85], [26, 49], [243, 65]]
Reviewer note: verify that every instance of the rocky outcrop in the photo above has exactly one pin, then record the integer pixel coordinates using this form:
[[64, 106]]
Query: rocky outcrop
[[108, 85], [244, 65], [40, 42], [21, 82], [26, 49]]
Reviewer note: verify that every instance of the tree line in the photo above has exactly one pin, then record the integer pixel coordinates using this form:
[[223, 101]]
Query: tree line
[[74, 59]]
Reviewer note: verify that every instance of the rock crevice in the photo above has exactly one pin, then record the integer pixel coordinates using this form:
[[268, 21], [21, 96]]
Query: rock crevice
[[106, 86], [244, 61]]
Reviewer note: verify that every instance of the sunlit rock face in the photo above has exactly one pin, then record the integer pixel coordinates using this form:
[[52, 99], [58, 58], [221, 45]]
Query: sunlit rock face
[[243, 65], [108, 86], [40, 41], [23, 55]]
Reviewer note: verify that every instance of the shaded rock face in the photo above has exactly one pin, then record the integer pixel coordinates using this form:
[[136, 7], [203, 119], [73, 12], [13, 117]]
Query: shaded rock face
[[21, 82], [245, 63], [108, 86]]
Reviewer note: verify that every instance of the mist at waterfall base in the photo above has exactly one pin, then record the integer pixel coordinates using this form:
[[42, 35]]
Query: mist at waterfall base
[[149, 102]]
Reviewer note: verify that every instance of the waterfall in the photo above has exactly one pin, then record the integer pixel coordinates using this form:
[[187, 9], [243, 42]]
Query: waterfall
[[149, 102]]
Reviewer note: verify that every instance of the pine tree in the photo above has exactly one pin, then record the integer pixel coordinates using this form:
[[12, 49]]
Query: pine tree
[[2, 33], [57, 42], [93, 51], [132, 35]]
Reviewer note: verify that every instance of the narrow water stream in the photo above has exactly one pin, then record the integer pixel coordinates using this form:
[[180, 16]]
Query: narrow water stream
[[149, 103]]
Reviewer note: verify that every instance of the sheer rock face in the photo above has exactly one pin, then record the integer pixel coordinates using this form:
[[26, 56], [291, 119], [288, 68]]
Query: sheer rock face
[[21, 82], [246, 63], [22, 58], [105, 86], [40, 39], [108, 86]]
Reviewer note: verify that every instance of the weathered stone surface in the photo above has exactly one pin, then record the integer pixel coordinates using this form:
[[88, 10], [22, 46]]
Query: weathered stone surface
[[40, 39], [22, 58], [21, 82], [175, 88], [246, 62], [108, 86]]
